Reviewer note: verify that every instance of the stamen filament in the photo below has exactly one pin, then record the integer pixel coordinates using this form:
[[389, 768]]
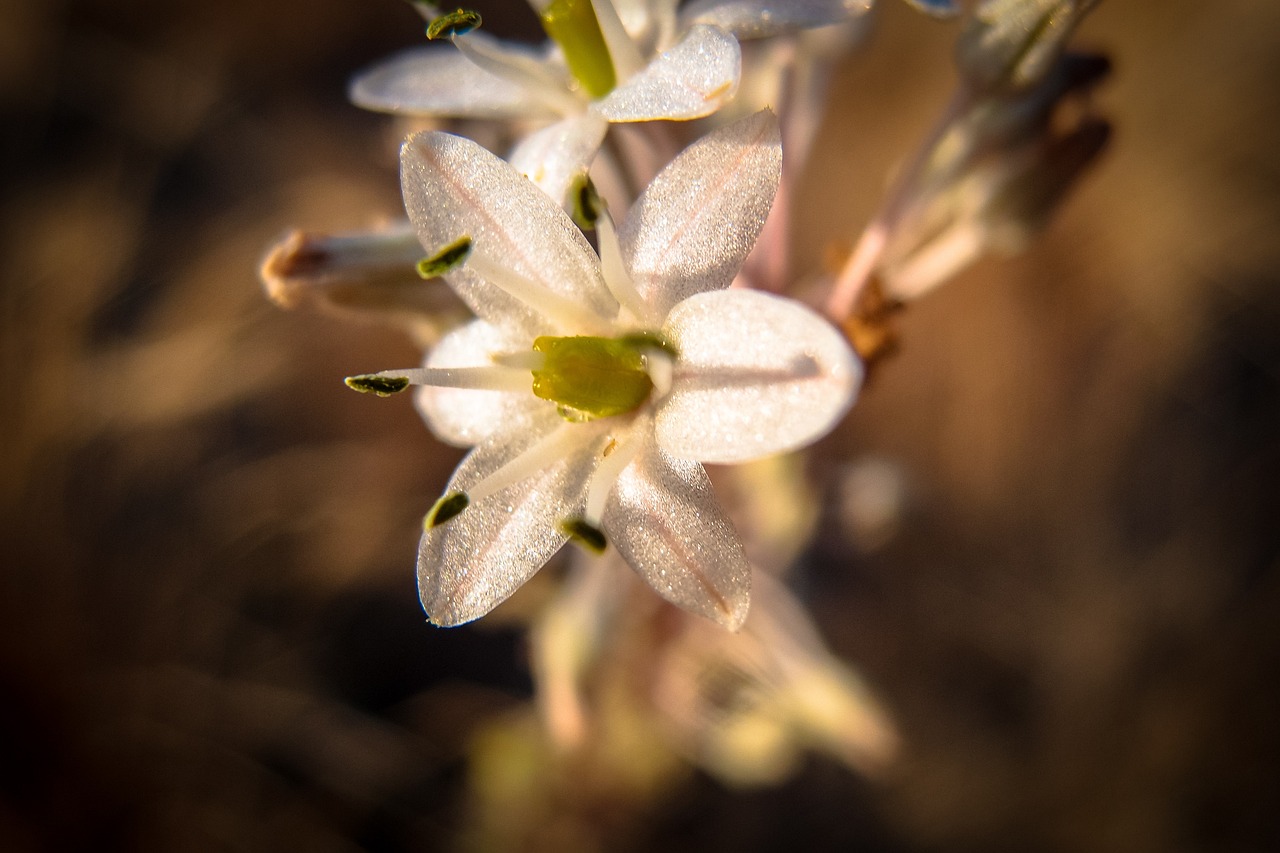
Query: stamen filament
[[526, 73], [616, 277], [606, 476], [560, 310], [485, 378], [553, 447]]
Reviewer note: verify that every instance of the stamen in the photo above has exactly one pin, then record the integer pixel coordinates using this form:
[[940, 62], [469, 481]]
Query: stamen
[[661, 365], [525, 72], [587, 205], [560, 310], [585, 534], [456, 23], [558, 444], [616, 277], [606, 476], [382, 386], [450, 257], [486, 378], [449, 506], [522, 360]]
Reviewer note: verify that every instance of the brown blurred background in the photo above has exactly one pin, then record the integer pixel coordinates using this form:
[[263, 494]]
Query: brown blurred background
[[209, 633]]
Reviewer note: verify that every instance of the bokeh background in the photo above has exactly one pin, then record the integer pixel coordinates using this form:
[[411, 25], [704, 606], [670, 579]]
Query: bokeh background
[[209, 633]]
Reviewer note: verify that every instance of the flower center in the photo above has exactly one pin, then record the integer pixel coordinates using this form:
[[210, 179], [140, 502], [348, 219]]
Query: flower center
[[591, 377], [572, 24]]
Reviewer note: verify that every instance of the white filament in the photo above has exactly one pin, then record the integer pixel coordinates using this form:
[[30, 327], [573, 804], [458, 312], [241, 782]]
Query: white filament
[[561, 311]]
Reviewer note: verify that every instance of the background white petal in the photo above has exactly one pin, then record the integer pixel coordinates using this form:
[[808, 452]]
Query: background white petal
[[758, 374], [471, 564], [437, 80], [692, 228], [749, 19], [555, 155], [692, 79], [462, 417], [453, 187], [664, 520]]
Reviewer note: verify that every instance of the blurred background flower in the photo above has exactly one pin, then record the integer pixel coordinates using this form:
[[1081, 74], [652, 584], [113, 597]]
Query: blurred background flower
[[1049, 543]]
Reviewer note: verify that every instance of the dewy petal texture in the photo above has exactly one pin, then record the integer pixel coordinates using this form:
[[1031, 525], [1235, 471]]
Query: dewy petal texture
[[665, 522], [453, 188], [439, 81], [461, 416], [692, 79], [692, 228], [474, 562], [758, 374], [749, 19]]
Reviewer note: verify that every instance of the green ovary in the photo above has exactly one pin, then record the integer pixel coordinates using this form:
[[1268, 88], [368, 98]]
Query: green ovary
[[591, 377], [572, 24]]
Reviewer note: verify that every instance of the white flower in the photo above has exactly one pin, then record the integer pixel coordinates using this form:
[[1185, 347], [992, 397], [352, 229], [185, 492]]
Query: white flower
[[610, 61], [592, 387]]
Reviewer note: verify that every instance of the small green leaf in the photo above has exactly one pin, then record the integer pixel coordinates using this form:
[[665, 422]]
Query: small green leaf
[[449, 258], [456, 23], [372, 383], [447, 508]]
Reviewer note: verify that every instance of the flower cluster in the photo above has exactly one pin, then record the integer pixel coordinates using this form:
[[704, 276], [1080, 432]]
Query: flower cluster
[[594, 366]]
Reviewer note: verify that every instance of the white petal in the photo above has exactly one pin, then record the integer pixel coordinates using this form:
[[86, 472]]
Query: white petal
[[692, 228], [463, 417], [664, 520], [439, 81], [749, 19], [694, 78], [555, 155], [757, 374], [471, 564], [453, 187]]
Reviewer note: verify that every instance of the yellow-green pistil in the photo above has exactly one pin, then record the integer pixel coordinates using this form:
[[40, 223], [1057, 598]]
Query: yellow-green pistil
[[572, 24], [592, 377]]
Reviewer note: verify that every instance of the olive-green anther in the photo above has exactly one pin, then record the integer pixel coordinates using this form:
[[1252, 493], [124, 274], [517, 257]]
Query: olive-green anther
[[382, 386], [585, 534], [446, 509], [449, 258], [587, 205], [456, 23]]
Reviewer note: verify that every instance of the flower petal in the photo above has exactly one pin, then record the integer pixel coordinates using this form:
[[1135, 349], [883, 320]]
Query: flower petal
[[664, 520], [555, 155], [692, 228], [692, 79], [757, 374], [750, 19], [463, 417], [453, 187], [472, 563], [439, 81]]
